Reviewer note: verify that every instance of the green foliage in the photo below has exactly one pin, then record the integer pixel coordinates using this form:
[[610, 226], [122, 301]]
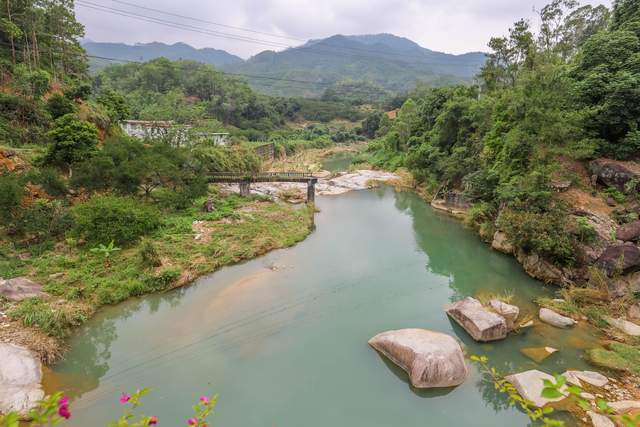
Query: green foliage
[[115, 103], [617, 356], [615, 194], [105, 251], [149, 253], [541, 233], [49, 179], [41, 221], [121, 220], [59, 105], [72, 139], [586, 231], [11, 194]]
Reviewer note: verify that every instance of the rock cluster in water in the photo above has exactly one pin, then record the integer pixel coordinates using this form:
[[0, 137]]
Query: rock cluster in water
[[482, 323]]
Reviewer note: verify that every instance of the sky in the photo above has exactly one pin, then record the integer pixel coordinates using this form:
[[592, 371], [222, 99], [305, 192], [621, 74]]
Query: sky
[[452, 26]]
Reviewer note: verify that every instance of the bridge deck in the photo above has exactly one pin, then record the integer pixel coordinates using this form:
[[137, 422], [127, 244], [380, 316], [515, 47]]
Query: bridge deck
[[264, 177]]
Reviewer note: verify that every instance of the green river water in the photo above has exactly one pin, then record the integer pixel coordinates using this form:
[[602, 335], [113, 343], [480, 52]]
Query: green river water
[[283, 338]]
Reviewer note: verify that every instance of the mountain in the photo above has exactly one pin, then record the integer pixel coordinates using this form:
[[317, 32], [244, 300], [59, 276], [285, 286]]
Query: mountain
[[388, 62], [149, 51], [391, 62]]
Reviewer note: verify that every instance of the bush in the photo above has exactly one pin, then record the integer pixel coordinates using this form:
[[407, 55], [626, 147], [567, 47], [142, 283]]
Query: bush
[[50, 180], [541, 233], [42, 220], [122, 220], [72, 139], [149, 254], [59, 105], [11, 193]]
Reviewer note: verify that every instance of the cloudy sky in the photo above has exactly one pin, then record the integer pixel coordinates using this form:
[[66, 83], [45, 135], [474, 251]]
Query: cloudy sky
[[453, 26]]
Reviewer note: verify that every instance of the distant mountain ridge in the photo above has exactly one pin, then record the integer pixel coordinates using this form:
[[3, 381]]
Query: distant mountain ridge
[[388, 61], [148, 51]]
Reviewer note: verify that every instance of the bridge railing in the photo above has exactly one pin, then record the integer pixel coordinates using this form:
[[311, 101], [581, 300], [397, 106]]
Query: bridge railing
[[263, 175]]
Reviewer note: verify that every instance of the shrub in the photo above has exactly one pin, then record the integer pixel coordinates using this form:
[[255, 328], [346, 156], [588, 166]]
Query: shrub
[[72, 140], [42, 220], [586, 231], [122, 220], [11, 193], [59, 105], [149, 254], [541, 233], [50, 180]]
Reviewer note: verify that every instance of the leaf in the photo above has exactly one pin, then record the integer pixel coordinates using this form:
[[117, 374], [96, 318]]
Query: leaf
[[602, 405], [551, 393]]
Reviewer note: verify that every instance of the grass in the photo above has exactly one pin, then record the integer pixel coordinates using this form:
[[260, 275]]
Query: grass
[[617, 356], [238, 229]]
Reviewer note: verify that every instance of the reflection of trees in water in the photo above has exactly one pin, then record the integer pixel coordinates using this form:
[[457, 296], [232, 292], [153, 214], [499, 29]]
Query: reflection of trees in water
[[89, 361], [455, 251]]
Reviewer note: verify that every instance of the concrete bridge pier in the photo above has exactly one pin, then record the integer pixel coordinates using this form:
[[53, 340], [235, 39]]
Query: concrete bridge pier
[[245, 188], [311, 191]]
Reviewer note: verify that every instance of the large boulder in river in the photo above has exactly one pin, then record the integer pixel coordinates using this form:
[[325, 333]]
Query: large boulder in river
[[530, 385], [20, 376], [620, 259], [555, 319], [613, 173], [432, 359], [20, 288], [629, 232], [481, 323]]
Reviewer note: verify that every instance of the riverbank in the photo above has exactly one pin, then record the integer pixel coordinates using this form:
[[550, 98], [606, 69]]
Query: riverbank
[[77, 282]]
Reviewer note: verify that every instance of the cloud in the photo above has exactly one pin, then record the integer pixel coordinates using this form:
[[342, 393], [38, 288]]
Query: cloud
[[454, 26]]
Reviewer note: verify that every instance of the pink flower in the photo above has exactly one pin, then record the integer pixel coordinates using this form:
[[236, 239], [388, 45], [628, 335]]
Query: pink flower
[[124, 398], [192, 422], [64, 401], [64, 412], [204, 399], [152, 421]]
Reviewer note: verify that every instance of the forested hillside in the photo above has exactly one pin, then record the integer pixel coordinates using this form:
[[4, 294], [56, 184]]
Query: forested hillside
[[549, 103]]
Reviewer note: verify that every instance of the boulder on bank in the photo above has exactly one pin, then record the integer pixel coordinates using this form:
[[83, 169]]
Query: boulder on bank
[[20, 377], [555, 319], [432, 359], [613, 173], [20, 288], [599, 420], [501, 244], [481, 323], [624, 406], [620, 259], [629, 232], [530, 384], [590, 377], [625, 326]]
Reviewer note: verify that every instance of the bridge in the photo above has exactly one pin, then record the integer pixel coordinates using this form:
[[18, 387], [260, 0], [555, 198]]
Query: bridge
[[245, 180]]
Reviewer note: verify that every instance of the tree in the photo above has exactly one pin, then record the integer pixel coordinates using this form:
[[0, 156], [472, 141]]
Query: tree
[[72, 140], [116, 105]]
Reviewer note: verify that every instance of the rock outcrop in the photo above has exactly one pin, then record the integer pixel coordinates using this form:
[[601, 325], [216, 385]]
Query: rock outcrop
[[620, 259], [555, 319], [432, 359], [20, 377], [613, 173], [481, 323], [629, 232], [541, 269], [530, 384], [20, 288], [501, 244]]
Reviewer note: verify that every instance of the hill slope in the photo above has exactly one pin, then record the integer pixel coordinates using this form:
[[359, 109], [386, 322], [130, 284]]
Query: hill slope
[[392, 62], [149, 51]]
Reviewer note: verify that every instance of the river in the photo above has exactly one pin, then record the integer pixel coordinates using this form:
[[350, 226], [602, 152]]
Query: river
[[283, 338]]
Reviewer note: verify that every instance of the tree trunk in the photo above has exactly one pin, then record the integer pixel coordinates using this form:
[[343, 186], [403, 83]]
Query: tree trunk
[[13, 47]]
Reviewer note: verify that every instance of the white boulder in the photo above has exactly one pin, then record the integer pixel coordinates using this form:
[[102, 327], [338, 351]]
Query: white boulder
[[20, 377], [625, 326], [555, 319], [624, 406], [590, 377], [432, 359], [530, 385], [508, 311], [599, 420]]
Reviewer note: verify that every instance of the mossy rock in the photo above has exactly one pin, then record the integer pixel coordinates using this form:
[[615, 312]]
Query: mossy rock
[[617, 356]]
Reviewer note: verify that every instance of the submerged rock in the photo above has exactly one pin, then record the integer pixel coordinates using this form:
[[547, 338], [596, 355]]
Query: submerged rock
[[508, 311], [432, 359], [530, 384], [20, 288], [538, 354], [599, 420], [501, 244], [555, 319], [20, 377], [625, 326], [480, 323]]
